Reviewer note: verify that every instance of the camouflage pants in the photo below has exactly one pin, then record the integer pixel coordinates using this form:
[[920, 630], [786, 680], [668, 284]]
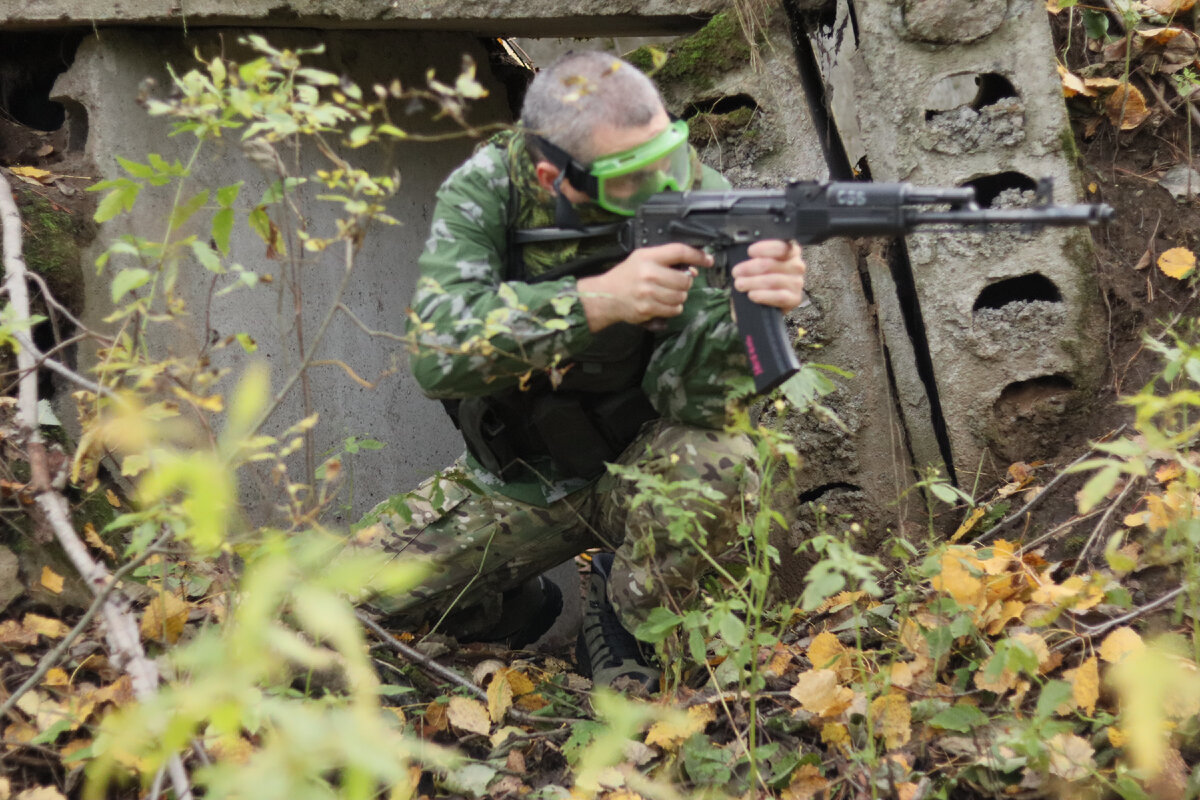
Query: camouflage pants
[[478, 545]]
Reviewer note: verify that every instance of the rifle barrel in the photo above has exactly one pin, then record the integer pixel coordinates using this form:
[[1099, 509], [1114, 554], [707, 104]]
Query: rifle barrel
[[1092, 214]]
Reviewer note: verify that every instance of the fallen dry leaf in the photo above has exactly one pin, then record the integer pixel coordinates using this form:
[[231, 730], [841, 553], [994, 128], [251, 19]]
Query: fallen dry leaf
[[818, 692], [52, 580], [807, 782], [1119, 644], [468, 715], [1169, 8], [164, 618], [1178, 262], [1070, 756], [45, 626], [500, 698], [668, 734], [1126, 107], [91, 537], [1085, 684], [826, 652], [893, 719]]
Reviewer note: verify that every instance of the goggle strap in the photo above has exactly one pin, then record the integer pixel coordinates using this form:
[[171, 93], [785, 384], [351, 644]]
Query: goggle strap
[[576, 173], [564, 212]]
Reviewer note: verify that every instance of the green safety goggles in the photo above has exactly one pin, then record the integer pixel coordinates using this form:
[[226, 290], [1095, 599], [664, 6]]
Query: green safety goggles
[[622, 181]]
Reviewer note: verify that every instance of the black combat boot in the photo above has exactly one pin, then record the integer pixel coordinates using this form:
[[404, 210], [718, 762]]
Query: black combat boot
[[606, 651]]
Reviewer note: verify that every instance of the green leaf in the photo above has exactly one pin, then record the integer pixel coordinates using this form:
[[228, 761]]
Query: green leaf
[[1097, 488], [207, 257], [1095, 24], [135, 169], [119, 199], [227, 195], [659, 622], [1054, 694], [471, 780], [961, 717], [185, 210], [222, 229], [128, 280]]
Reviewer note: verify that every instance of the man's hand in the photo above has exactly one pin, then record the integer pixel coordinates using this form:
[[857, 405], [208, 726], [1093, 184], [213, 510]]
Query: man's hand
[[645, 286], [773, 275]]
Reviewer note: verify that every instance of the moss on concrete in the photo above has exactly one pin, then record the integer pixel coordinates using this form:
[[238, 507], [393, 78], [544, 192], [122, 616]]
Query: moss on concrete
[[52, 245], [694, 62]]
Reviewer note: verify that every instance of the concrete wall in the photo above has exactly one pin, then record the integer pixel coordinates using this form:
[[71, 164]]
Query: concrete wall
[[105, 79], [966, 90]]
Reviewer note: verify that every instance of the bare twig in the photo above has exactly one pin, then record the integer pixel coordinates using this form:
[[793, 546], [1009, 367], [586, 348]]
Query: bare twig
[[427, 664], [1045, 492], [121, 628], [1112, 507]]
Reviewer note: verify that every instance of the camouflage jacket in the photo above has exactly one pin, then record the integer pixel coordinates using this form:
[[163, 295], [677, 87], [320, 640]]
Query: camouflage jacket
[[480, 331]]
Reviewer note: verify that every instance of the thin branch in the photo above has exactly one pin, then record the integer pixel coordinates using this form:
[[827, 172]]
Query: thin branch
[[121, 628], [427, 664], [1112, 507], [1097, 630], [369, 331], [1045, 492]]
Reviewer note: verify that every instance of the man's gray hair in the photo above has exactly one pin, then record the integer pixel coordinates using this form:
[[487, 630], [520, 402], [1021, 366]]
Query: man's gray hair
[[568, 99]]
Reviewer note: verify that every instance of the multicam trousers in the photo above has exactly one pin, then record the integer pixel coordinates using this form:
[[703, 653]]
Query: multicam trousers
[[477, 545]]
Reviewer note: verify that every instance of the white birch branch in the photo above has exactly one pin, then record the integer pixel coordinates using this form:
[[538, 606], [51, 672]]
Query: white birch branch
[[121, 628]]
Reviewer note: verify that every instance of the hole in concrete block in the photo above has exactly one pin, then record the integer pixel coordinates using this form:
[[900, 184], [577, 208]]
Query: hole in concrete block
[[1027, 417], [974, 92], [29, 64], [967, 111], [1022, 289], [823, 491], [714, 118], [720, 105], [1004, 190]]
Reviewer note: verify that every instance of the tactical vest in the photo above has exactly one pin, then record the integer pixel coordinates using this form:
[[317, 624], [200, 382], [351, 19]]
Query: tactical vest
[[598, 407]]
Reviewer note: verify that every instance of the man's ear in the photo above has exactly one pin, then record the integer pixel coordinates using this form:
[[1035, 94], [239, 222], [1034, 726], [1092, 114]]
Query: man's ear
[[547, 174]]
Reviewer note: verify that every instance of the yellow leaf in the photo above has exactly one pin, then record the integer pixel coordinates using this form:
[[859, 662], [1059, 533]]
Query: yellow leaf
[[818, 692], [1071, 83], [1119, 644], [468, 715], [164, 618], [998, 684], [5, 788], [500, 697], [1126, 107], [112, 498], [826, 652], [36, 173], [901, 674], [835, 734], [1085, 684], [807, 783], [1168, 472], [56, 676], [91, 537], [519, 681], [531, 702], [969, 523], [956, 579], [45, 626], [669, 733], [1010, 610], [52, 580], [1116, 736], [1070, 757], [893, 719], [1178, 262]]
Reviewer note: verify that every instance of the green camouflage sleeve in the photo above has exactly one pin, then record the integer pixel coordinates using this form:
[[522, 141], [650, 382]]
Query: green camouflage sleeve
[[699, 365], [475, 332]]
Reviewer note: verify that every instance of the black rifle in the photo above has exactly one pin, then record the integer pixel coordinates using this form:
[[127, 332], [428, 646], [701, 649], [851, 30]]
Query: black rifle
[[728, 222]]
